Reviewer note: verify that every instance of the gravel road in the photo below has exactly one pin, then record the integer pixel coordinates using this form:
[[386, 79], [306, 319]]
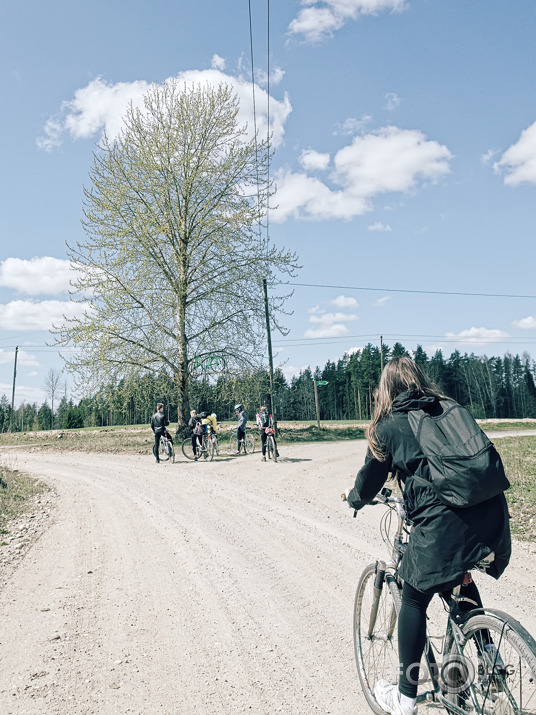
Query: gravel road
[[198, 588]]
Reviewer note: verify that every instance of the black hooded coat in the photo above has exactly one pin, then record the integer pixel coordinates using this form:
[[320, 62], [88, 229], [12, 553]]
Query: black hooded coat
[[445, 542]]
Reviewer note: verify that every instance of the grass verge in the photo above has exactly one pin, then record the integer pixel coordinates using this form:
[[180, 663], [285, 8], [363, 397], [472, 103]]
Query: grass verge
[[519, 458], [16, 492]]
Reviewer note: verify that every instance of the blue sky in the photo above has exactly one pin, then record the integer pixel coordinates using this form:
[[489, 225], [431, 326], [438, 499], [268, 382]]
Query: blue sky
[[406, 159]]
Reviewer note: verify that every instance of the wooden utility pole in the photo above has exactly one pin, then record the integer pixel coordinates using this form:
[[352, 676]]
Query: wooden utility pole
[[270, 357], [13, 392]]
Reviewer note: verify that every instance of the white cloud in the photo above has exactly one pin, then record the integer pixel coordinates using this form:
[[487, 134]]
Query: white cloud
[[337, 330], [28, 315], [392, 101], [343, 301], [100, 106], [382, 301], [313, 160], [329, 318], [328, 325], [384, 161], [7, 357], [478, 335], [217, 63], [321, 18], [23, 393], [487, 158], [353, 126], [36, 276], [528, 323], [519, 161], [276, 76], [379, 226]]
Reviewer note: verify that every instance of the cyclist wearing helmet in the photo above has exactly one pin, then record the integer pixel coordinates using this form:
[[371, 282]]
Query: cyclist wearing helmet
[[241, 428]]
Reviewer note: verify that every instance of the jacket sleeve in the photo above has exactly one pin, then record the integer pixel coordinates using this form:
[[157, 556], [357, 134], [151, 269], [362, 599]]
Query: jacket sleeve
[[370, 479]]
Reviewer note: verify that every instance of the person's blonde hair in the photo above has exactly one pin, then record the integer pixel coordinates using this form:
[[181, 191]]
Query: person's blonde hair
[[262, 408], [193, 413], [399, 375]]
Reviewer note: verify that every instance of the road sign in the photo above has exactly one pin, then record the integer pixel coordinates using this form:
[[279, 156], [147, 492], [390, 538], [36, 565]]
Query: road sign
[[321, 382]]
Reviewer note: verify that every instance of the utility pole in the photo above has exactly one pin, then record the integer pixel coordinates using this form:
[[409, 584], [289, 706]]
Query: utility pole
[[270, 358], [13, 392], [381, 352]]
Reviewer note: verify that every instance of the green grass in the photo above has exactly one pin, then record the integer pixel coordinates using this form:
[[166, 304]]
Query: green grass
[[519, 458], [505, 425]]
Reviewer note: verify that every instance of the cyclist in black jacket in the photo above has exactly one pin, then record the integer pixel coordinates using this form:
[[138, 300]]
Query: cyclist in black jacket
[[445, 542], [159, 423]]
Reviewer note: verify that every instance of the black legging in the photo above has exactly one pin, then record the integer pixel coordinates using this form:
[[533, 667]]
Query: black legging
[[412, 631]]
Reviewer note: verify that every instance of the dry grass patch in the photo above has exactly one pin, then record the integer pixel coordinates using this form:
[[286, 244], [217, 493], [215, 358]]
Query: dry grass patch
[[17, 491], [519, 457]]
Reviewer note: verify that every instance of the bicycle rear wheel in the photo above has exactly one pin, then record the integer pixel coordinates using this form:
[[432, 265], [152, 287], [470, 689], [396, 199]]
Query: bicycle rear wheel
[[376, 609], [187, 448], [494, 670]]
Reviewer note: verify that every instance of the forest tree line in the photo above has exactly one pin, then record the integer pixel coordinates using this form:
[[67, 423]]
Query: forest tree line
[[490, 387]]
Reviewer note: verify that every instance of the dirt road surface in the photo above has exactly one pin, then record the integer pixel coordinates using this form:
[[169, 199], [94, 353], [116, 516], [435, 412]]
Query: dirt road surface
[[199, 588]]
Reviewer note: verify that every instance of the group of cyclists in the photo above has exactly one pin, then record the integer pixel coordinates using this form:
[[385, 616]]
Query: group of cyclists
[[205, 423]]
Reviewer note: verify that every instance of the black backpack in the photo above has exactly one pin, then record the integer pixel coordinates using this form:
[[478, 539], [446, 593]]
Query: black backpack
[[264, 419], [465, 467]]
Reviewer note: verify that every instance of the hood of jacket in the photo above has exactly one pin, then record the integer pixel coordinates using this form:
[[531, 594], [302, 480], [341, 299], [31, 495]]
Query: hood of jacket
[[411, 400]]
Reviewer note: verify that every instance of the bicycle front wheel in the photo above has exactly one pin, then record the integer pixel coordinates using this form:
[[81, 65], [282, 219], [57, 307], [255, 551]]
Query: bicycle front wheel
[[250, 443], [270, 447], [233, 443], [494, 670], [208, 446], [376, 609], [187, 448]]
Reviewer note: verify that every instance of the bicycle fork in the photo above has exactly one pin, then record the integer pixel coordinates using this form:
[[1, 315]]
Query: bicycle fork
[[380, 579]]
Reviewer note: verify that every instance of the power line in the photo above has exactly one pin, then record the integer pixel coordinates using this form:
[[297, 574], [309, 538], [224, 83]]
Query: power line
[[409, 290]]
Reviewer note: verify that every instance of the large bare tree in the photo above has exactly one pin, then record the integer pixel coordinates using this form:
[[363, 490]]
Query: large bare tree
[[174, 255]]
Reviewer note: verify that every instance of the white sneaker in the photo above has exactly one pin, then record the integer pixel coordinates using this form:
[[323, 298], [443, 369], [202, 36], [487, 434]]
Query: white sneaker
[[388, 699]]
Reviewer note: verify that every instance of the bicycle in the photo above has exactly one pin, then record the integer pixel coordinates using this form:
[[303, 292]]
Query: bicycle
[[166, 449], [271, 450], [248, 443], [205, 448], [488, 660]]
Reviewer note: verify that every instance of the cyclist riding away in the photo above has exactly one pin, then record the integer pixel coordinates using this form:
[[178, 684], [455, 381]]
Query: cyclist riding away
[[241, 428], [159, 423], [445, 541], [265, 421]]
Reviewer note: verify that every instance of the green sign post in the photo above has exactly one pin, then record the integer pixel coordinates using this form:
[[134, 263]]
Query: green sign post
[[320, 383]]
